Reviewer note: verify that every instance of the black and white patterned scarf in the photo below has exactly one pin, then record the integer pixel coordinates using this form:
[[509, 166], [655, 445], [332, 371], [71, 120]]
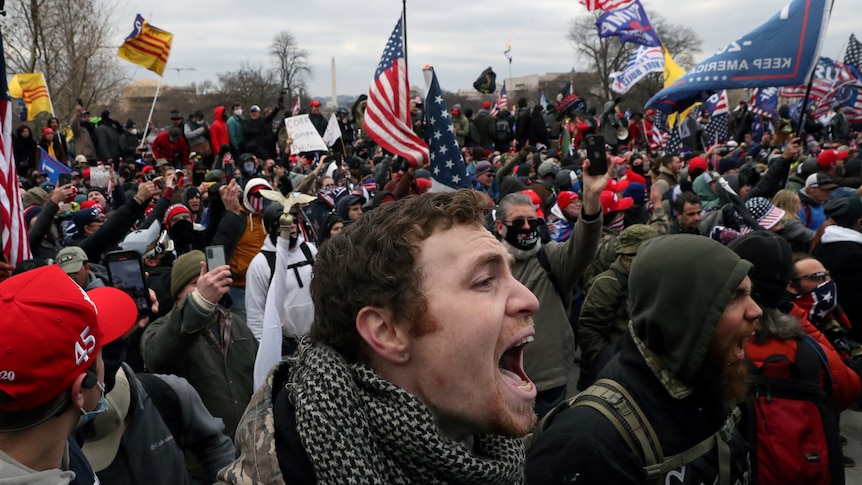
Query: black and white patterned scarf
[[358, 428]]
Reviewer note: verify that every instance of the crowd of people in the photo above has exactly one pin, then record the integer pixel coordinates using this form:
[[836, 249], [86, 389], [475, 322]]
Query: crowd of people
[[365, 330]]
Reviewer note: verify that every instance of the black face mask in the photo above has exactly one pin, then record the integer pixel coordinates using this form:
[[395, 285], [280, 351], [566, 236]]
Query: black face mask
[[521, 238], [182, 233], [638, 168]]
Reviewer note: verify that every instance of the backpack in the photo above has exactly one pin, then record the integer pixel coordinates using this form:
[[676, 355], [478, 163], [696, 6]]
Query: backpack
[[790, 423], [270, 260], [503, 131], [615, 403]]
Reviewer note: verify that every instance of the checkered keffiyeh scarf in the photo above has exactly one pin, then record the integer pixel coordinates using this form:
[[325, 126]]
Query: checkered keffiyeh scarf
[[358, 428]]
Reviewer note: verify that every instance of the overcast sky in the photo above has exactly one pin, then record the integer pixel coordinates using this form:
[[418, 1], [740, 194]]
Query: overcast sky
[[459, 38]]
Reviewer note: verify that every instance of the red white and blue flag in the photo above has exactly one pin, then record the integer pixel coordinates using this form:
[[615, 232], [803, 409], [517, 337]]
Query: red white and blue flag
[[387, 114], [13, 231], [502, 101], [448, 170], [603, 4]]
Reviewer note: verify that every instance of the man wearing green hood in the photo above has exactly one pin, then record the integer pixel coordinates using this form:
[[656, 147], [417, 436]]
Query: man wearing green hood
[[682, 363]]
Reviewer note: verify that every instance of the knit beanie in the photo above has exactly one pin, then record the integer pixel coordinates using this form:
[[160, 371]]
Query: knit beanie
[[172, 211], [772, 258], [185, 269]]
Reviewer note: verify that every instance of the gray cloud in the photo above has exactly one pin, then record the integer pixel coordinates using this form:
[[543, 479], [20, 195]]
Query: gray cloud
[[459, 38]]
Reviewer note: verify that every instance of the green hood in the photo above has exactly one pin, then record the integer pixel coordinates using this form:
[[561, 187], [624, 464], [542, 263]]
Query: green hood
[[708, 198], [679, 287]]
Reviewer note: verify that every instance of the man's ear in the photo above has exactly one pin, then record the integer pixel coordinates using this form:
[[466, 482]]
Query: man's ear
[[386, 340], [78, 391], [498, 224]]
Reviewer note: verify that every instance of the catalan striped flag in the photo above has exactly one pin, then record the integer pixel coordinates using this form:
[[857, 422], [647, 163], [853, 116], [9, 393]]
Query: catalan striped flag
[[32, 89], [147, 46], [13, 231]]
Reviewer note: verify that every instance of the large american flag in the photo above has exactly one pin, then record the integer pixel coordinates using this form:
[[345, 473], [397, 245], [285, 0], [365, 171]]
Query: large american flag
[[716, 130], [387, 114], [502, 101], [853, 56], [603, 4], [448, 170], [16, 248]]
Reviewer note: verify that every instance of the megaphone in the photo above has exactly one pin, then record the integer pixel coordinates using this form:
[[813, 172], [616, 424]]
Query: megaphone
[[622, 133]]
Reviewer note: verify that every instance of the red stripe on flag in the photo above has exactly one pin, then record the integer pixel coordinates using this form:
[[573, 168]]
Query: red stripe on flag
[[161, 54], [16, 247]]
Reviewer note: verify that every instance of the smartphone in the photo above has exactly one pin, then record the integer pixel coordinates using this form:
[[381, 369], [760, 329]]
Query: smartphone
[[215, 257], [126, 272], [65, 179], [597, 155]]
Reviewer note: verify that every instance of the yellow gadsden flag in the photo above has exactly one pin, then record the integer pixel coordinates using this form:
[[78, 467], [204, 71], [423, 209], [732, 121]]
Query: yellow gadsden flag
[[147, 46], [31, 87], [672, 72]]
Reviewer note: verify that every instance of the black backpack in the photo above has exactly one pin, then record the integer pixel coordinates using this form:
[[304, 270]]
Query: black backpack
[[791, 424]]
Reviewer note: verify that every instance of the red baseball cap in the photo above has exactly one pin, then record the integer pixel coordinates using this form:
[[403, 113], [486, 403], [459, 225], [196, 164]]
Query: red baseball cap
[[612, 202], [52, 332], [697, 163], [486, 105], [537, 202], [617, 185], [315, 102], [565, 198], [828, 157]]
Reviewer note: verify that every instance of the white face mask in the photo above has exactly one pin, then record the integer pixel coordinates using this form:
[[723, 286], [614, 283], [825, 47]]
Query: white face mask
[[133, 131], [238, 112]]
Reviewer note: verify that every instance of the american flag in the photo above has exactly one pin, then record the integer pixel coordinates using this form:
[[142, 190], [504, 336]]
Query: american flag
[[853, 56], [716, 129], [833, 81], [502, 101], [674, 144], [448, 170], [13, 236], [387, 114], [603, 4]]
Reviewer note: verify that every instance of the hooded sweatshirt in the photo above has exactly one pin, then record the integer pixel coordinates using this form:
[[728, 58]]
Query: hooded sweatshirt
[[251, 240], [218, 130], [674, 313], [14, 473], [677, 333]]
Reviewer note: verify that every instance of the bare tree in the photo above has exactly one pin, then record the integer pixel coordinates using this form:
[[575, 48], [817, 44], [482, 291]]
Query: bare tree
[[69, 43], [291, 62], [605, 56], [250, 84]]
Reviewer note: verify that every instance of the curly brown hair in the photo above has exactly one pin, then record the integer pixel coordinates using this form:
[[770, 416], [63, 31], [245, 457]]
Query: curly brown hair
[[374, 262]]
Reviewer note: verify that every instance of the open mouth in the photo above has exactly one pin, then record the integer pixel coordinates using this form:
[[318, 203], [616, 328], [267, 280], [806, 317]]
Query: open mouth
[[511, 366]]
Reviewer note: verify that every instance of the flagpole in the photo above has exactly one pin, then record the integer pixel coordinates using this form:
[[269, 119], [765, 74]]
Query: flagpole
[[404, 31], [150, 116], [51, 102]]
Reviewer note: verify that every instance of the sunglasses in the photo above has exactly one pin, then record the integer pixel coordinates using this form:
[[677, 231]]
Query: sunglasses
[[533, 222], [818, 277]]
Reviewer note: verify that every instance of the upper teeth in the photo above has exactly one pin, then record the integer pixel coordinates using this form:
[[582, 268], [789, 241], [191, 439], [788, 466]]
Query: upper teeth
[[526, 340]]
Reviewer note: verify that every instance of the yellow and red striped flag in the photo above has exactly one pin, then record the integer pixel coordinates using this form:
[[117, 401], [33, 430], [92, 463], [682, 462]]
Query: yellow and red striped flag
[[147, 46], [31, 87]]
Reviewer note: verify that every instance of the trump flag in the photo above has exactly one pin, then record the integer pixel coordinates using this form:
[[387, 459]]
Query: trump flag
[[780, 52]]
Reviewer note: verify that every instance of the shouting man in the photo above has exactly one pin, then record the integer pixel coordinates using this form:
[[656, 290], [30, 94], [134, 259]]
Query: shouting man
[[421, 338]]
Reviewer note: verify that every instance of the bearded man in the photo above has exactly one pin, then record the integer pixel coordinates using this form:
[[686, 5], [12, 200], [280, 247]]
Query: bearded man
[[412, 371], [682, 364]]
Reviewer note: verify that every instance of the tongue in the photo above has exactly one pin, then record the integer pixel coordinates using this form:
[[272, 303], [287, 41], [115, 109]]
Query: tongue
[[513, 378]]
